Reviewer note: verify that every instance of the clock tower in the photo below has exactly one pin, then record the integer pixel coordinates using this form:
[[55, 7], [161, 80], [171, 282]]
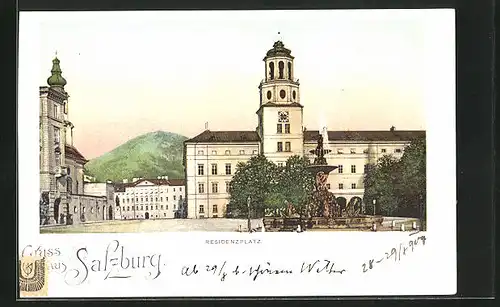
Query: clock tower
[[280, 111]]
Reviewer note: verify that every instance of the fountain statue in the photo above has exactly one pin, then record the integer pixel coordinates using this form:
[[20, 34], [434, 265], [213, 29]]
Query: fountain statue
[[323, 204]]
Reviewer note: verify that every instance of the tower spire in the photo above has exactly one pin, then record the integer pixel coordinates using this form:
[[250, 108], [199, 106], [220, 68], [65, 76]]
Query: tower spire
[[56, 79]]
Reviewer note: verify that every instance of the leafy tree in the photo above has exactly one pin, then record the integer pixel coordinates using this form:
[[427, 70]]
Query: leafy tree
[[399, 186], [295, 184], [253, 179]]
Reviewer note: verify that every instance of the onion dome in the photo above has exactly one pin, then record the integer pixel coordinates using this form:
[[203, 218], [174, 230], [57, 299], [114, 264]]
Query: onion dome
[[56, 79], [279, 50]]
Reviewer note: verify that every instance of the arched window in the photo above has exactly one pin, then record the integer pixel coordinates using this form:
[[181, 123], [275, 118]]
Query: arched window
[[271, 70], [289, 71], [281, 66]]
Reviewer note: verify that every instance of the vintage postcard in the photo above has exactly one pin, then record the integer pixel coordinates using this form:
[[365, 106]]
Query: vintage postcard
[[235, 151]]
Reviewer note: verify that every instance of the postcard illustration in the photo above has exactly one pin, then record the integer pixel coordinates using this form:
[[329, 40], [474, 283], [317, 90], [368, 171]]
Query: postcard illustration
[[277, 163], [254, 142]]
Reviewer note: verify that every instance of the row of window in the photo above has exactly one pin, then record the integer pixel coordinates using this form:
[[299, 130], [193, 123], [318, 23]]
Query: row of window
[[215, 187], [152, 191], [288, 147], [341, 186], [129, 200], [281, 68], [340, 151], [161, 207], [214, 209], [279, 128], [142, 216], [201, 169], [227, 152]]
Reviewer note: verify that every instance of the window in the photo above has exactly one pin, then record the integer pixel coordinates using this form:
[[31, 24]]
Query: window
[[287, 128], [271, 70], [57, 136], [288, 146], [156, 198], [128, 208], [180, 189], [397, 150], [340, 151], [279, 128], [328, 186], [353, 185], [200, 152], [353, 150], [161, 207], [214, 152], [289, 71], [142, 207], [200, 170], [214, 169], [384, 150], [180, 197], [215, 187], [201, 188], [147, 199], [175, 207], [353, 169], [214, 209], [365, 151], [174, 189], [75, 209], [136, 199], [56, 110], [92, 210], [166, 198], [280, 146], [166, 207], [175, 197], [280, 164], [142, 199], [254, 152], [242, 152], [147, 208], [228, 168], [366, 168], [341, 186], [164, 214], [83, 210], [156, 207], [202, 209], [341, 169], [227, 186], [228, 152], [281, 67]]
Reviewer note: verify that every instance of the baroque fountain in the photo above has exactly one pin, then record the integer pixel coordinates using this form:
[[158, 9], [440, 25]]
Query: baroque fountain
[[323, 212]]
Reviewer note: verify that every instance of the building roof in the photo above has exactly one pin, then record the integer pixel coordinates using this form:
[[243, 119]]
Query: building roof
[[208, 136], [72, 153], [366, 135], [120, 187], [279, 50], [56, 79], [279, 105]]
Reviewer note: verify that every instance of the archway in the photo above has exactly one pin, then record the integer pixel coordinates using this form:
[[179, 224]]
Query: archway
[[57, 202], [342, 203], [110, 213], [146, 216], [354, 206]]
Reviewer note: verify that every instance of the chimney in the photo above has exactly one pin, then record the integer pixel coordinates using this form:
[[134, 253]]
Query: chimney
[[125, 180]]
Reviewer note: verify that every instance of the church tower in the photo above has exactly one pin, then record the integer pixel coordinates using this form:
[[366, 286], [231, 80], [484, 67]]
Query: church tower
[[280, 112]]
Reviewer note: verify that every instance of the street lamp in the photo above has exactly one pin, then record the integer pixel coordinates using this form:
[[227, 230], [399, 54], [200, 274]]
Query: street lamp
[[374, 203], [249, 223]]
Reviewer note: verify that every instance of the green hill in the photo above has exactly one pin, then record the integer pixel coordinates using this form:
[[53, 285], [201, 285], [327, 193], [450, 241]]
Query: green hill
[[149, 155]]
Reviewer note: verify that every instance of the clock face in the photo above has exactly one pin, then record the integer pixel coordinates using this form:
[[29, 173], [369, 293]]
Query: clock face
[[283, 116]]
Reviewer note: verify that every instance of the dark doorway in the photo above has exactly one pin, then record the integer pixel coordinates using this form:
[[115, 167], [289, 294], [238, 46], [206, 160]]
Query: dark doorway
[[56, 210], [110, 213], [342, 202], [146, 216]]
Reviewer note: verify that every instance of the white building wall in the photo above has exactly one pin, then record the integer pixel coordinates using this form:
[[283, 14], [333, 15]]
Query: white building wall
[[150, 201], [211, 199]]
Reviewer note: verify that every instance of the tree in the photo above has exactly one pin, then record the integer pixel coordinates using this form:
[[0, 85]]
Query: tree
[[253, 179], [398, 185], [295, 184]]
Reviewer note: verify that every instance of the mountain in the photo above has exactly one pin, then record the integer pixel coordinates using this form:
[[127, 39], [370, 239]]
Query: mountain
[[149, 155]]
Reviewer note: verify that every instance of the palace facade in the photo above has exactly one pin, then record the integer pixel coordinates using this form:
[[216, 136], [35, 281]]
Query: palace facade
[[210, 158], [63, 198]]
